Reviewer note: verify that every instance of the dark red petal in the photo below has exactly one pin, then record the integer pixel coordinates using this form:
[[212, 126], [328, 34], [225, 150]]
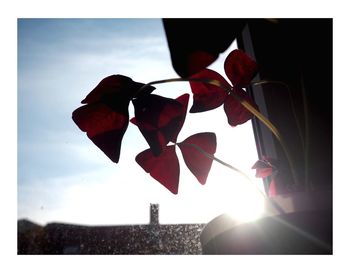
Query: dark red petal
[[235, 112], [240, 68], [160, 119], [183, 99], [103, 126], [266, 162], [264, 168], [153, 135], [263, 172], [207, 96], [164, 168], [197, 162], [113, 85], [198, 60]]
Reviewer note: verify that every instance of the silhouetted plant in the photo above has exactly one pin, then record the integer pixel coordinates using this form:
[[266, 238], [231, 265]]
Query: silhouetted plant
[[105, 118]]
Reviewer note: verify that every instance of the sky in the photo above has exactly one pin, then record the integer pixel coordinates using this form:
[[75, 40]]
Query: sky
[[64, 177]]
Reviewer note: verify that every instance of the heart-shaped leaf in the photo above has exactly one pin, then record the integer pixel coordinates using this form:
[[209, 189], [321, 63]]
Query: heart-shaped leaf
[[240, 68], [160, 119], [207, 96], [236, 113], [194, 150], [103, 126], [164, 168], [112, 86]]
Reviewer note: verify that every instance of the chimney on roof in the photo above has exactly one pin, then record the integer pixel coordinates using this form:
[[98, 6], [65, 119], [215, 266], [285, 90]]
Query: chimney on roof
[[154, 214]]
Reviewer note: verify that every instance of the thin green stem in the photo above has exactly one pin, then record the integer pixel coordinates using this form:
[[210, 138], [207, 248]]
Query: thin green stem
[[170, 80], [216, 159], [210, 156]]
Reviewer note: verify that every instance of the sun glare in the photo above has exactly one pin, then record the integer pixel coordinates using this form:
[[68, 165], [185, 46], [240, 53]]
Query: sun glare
[[247, 206], [240, 198]]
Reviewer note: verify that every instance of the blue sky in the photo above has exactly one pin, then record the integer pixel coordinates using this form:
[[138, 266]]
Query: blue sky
[[62, 175], [60, 61]]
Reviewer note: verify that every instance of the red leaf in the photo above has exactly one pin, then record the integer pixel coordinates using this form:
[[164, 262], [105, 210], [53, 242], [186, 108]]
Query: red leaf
[[113, 85], [263, 172], [235, 112], [153, 135], [207, 96], [240, 68], [160, 119], [198, 60], [264, 167], [196, 161], [103, 126], [183, 99], [164, 168]]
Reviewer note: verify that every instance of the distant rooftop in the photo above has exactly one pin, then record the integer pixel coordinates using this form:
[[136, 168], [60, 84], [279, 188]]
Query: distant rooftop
[[57, 238]]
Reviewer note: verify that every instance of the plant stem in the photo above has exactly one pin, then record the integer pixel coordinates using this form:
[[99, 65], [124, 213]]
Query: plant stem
[[159, 82], [210, 81], [208, 155], [216, 159]]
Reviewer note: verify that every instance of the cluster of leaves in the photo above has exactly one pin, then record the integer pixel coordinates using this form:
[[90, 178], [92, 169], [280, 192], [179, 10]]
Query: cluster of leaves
[[105, 118]]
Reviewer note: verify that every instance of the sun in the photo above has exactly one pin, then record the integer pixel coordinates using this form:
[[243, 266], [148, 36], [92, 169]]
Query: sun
[[243, 201]]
